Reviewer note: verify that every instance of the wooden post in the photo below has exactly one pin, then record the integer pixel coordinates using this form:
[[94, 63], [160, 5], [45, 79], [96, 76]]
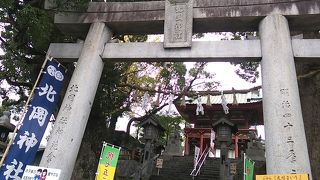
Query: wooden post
[[186, 145], [236, 148]]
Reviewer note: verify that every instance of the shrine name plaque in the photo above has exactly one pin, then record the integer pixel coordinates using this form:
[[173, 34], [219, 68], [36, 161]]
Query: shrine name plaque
[[178, 23]]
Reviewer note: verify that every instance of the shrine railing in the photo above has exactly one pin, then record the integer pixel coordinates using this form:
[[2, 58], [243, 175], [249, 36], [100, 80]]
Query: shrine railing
[[199, 162]]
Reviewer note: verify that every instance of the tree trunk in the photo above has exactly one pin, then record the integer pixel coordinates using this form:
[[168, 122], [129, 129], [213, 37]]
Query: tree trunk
[[309, 87], [90, 149], [113, 122]]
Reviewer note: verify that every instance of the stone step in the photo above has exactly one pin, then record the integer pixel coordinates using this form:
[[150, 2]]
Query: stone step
[[184, 178], [179, 168]]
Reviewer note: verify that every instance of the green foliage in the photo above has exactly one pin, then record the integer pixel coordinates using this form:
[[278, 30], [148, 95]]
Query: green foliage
[[206, 78], [69, 5], [110, 99], [247, 70], [174, 73], [171, 124], [37, 25], [27, 31]]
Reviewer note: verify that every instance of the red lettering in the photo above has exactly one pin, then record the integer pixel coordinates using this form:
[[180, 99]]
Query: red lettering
[[110, 155], [105, 172], [107, 164]]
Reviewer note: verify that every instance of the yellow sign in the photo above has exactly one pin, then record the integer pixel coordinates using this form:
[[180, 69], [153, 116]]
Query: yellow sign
[[108, 162], [283, 177]]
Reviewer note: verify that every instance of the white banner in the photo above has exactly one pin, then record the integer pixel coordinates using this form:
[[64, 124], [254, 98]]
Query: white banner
[[212, 138], [196, 155], [40, 173]]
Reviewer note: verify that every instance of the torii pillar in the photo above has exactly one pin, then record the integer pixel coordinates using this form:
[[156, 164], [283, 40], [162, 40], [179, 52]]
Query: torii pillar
[[286, 146], [67, 133]]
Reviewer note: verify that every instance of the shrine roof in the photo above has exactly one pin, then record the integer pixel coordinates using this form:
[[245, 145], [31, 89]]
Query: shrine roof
[[241, 98], [152, 120], [246, 110]]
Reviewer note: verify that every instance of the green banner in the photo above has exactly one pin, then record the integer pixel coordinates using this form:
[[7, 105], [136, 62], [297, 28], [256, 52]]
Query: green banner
[[249, 167], [108, 162]]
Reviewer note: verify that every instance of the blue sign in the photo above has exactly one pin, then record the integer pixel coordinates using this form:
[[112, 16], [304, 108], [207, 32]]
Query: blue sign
[[35, 122]]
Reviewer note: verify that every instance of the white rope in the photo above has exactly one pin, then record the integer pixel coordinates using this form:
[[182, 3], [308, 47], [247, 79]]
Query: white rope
[[224, 103], [199, 107]]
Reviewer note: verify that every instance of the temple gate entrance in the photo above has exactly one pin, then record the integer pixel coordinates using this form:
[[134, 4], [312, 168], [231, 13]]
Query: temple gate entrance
[[286, 147]]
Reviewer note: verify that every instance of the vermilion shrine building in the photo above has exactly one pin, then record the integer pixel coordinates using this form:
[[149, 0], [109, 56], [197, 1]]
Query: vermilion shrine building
[[245, 111]]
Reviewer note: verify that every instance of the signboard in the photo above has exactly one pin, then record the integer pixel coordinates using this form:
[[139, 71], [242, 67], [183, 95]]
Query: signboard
[[178, 23], [108, 162], [40, 173], [212, 138], [283, 177], [35, 122], [159, 163], [196, 156], [233, 168]]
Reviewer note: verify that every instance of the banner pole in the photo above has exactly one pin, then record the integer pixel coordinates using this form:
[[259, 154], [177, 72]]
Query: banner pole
[[102, 149], [244, 166], [24, 111]]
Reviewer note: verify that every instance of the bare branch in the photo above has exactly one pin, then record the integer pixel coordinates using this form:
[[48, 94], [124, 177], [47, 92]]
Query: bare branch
[[2, 40]]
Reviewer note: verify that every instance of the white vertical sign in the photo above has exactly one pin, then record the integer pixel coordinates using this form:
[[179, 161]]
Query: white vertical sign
[[41, 173], [212, 138], [196, 155]]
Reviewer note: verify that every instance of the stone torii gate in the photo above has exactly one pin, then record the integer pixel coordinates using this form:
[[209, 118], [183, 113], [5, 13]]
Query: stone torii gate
[[286, 147]]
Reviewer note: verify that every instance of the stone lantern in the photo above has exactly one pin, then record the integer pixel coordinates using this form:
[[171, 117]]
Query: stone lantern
[[5, 128], [224, 130], [152, 131]]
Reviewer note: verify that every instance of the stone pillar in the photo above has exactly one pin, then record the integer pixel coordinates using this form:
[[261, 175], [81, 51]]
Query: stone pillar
[[66, 136], [286, 146]]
